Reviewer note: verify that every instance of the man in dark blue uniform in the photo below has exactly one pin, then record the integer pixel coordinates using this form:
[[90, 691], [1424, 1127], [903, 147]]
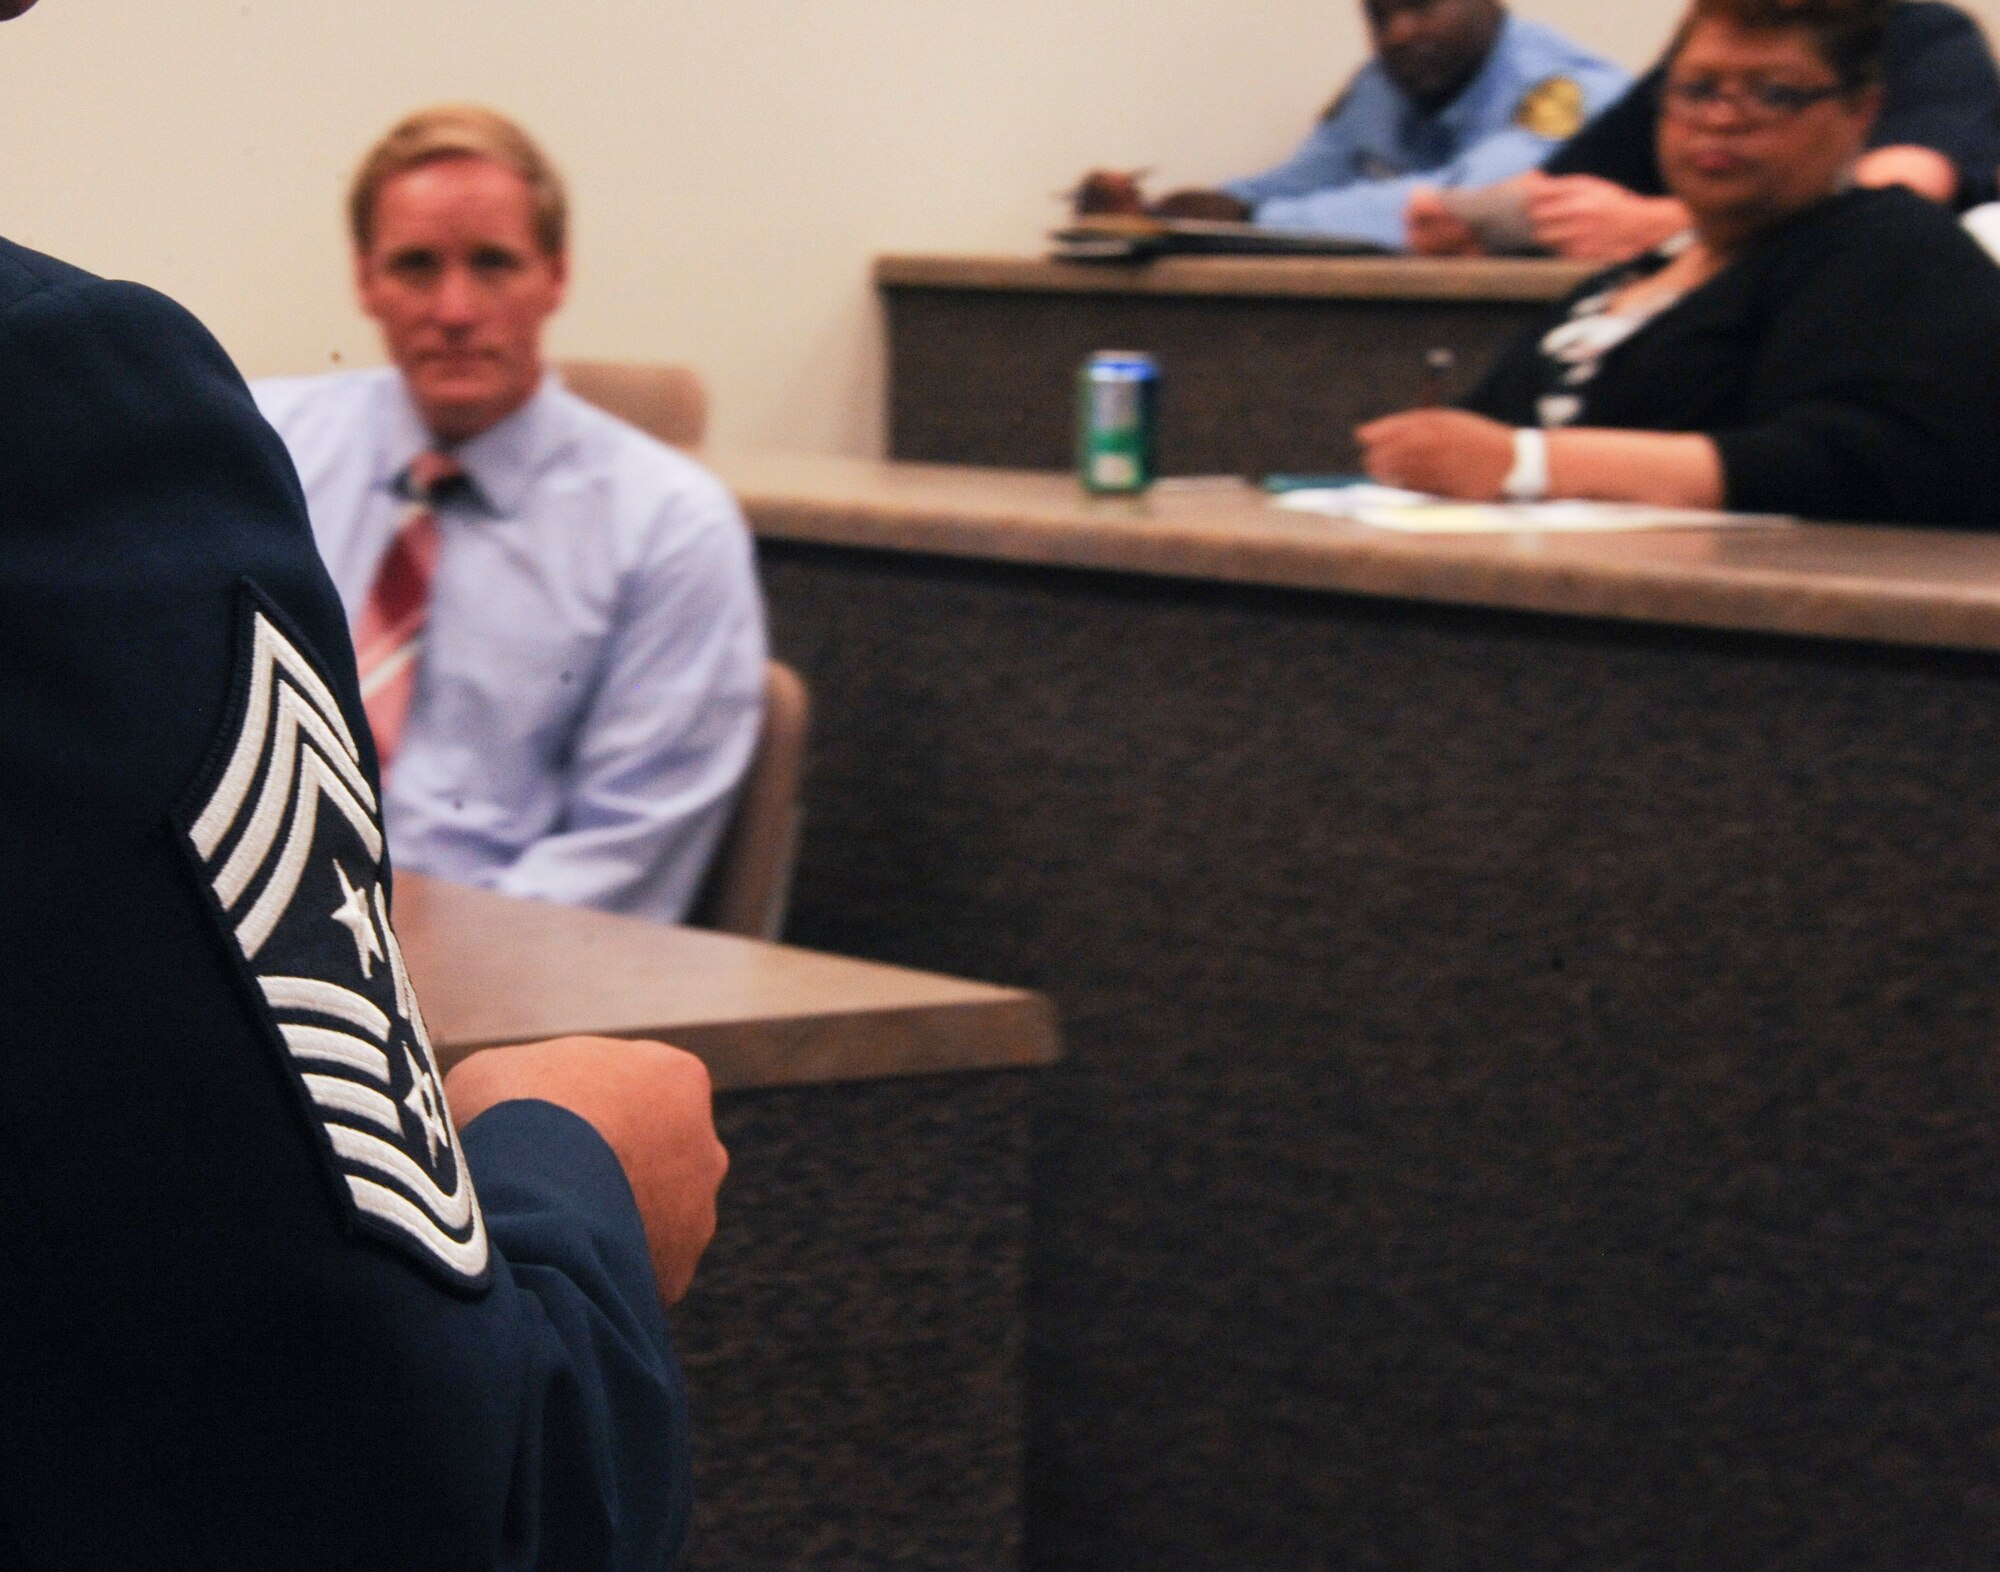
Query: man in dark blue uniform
[[255, 1312]]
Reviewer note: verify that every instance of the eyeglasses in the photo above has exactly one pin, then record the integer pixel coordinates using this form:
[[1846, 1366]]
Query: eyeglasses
[[1754, 103]]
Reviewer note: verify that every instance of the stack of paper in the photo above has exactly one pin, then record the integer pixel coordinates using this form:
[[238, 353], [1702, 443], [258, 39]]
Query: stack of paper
[[1413, 513]]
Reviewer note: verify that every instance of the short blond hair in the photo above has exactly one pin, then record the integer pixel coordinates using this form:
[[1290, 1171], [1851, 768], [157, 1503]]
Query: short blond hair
[[460, 131]]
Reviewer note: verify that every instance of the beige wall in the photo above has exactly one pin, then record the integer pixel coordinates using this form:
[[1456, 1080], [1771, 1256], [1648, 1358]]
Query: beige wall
[[736, 163]]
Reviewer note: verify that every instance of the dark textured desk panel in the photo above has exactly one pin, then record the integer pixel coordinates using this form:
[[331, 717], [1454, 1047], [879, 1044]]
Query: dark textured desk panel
[[1532, 1097], [853, 1341], [1252, 385]]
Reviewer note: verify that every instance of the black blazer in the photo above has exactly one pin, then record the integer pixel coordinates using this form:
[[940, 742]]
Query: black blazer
[[249, 1314], [1847, 366]]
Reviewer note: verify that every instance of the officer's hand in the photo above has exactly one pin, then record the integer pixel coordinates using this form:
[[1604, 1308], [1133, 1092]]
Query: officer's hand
[[653, 1106], [1924, 170], [1217, 207], [1443, 451], [1433, 230], [1107, 191], [1592, 220]]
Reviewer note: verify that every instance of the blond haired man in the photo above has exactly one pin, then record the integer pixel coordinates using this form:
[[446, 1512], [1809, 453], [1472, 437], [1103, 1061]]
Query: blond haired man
[[565, 660]]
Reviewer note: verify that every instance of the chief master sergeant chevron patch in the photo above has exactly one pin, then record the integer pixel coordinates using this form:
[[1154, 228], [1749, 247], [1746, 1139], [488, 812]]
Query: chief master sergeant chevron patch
[[288, 838]]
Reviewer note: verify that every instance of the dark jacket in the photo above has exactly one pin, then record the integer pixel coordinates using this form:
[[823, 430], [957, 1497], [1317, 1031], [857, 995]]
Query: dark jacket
[[1847, 366], [1940, 90], [249, 1315]]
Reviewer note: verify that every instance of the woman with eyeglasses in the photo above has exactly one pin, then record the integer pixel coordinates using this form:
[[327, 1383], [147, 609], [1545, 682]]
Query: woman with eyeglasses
[[1804, 348]]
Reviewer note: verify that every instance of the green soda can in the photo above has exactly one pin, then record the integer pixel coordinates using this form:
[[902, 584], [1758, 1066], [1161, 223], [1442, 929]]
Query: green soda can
[[1117, 419]]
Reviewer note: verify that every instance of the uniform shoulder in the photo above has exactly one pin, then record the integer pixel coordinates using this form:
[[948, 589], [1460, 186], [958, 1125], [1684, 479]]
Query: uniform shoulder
[[1538, 49], [1557, 85], [1368, 90], [90, 364], [24, 273], [1915, 23], [40, 296]]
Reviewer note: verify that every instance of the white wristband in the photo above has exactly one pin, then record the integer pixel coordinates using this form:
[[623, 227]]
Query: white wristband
[[1528, 480]]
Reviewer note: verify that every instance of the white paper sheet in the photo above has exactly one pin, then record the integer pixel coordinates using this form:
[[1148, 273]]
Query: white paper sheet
[[1413, 513]]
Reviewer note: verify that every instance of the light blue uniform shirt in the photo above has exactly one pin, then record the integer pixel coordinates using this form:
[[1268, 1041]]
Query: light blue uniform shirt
[[1355, 174], [591, 684]]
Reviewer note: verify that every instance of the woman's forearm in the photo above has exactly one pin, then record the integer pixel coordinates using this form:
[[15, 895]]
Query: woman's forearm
[[1668, 469]]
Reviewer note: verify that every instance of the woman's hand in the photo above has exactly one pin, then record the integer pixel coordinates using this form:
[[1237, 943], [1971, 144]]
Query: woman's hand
[[1443, 451], [1452, 454]]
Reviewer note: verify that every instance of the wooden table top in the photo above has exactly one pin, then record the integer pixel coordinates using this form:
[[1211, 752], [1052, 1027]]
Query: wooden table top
[[496, 969], [1505, 279], [1931, 588]]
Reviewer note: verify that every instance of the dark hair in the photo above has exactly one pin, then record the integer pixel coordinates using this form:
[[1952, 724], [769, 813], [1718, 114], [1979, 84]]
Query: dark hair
[[1846, 34]]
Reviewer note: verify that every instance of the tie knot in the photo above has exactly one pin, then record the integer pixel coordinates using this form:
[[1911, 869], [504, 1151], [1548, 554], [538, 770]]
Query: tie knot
[[431, 474]]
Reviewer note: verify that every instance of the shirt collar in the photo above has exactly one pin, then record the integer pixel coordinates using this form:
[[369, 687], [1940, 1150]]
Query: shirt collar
[[501, 462]]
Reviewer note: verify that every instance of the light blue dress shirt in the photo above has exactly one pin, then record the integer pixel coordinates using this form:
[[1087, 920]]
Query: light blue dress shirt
[[591, 684], [1355, 174]]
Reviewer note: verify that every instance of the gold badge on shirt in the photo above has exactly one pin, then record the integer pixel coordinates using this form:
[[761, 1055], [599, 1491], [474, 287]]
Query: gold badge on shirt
[[1553, 108]]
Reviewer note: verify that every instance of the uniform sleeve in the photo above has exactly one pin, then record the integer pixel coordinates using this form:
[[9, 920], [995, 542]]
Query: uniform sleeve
[[670, 729], [1941, 92], [1891, 417], [1325, 158], [1618, 145], [1370, 210], [207, 1363], [1374, 210]]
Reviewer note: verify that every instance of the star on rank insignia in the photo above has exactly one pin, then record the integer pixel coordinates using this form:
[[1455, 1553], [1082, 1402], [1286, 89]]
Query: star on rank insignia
[[287, 834]]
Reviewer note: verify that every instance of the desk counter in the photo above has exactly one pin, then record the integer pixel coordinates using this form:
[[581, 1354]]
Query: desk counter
[[492, 969], [1915, 587], [1268, 361], [1493, 280], [852, 1342], [1530, 1004]]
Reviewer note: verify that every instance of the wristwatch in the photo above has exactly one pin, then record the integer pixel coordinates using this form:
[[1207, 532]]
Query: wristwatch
[[1528, 480]]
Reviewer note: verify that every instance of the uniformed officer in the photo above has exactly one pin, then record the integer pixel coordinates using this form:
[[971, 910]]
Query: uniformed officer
[[264, 1304], [1459, 93]]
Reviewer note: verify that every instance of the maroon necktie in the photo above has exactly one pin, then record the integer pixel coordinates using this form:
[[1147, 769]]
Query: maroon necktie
[[389, 633]]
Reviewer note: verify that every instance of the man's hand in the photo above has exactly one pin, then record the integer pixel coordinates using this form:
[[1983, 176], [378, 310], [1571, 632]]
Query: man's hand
[[654, 1108], [1432, 230], [1592, 220], [1107, 191], [1213, 206], [1443, 451], [1924, 170]]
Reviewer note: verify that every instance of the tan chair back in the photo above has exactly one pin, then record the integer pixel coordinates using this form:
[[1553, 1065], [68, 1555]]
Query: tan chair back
[[667, 402], [750, 883]]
